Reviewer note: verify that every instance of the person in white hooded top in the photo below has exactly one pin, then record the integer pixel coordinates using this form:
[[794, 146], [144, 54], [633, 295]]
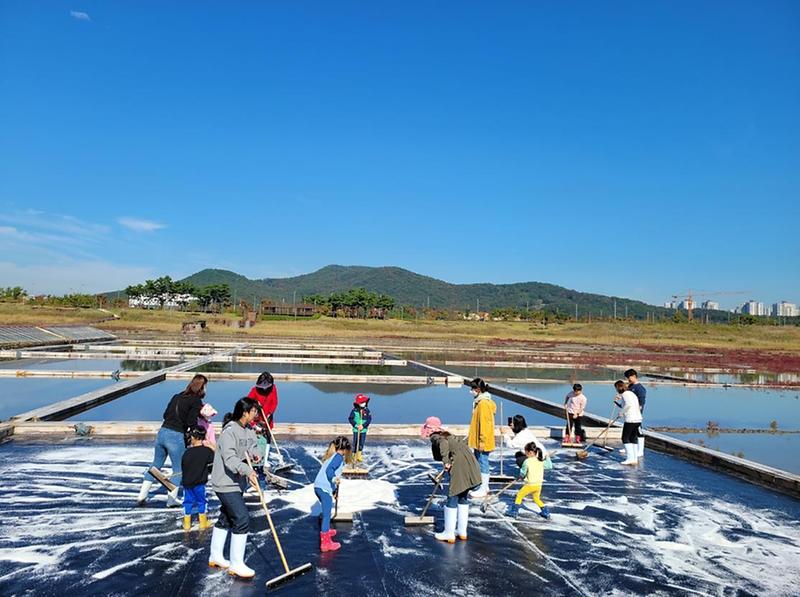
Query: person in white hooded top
[[520, 436], [628, 403]]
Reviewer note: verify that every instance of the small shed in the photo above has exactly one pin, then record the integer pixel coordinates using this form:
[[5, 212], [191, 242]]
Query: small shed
[[193, 327]]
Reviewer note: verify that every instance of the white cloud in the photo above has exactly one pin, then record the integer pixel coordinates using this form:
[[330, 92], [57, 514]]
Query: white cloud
[[79, 15], [59, 223], [138, 225], [75, 276]]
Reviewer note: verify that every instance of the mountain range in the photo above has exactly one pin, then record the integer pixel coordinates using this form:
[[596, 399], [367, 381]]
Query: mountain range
[[410, 288]]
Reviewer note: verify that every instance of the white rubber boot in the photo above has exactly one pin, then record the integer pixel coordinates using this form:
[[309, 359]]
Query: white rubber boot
[[215, 558], [172, 498], [238, 567], [265, 462], [449, 532], [640, 446], [462, 520], [143, 493], [631, 450], [483, 490]]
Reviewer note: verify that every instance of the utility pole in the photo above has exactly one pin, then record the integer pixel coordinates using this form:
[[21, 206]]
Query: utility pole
[[576, 311], [615, 309], [294, 303], [477, 305]]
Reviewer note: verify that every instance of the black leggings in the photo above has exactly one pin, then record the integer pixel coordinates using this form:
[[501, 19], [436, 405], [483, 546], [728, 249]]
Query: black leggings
[[630, 433], [577, 428]]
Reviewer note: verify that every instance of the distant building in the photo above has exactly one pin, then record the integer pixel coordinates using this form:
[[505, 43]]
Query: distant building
[[710, 305], [167, 301], [688, 304], [785, 309], [670, 305], [754, 308]]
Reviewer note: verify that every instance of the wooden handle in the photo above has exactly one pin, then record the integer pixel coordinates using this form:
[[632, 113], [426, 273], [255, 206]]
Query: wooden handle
[[602, 433], [433, 493], [569, 426], [269, 518], [501, 491]]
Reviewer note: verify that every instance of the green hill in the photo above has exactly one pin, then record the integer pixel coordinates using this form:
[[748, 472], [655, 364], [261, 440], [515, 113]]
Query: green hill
[[409, 288]]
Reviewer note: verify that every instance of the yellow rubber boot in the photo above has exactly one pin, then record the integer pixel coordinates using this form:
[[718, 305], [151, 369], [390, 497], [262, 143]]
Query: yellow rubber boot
[[359, 457], [187, 522], [203, 524]]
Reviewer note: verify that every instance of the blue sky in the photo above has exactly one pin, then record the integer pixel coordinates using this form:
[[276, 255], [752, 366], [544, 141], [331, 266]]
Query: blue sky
[[633, 148]]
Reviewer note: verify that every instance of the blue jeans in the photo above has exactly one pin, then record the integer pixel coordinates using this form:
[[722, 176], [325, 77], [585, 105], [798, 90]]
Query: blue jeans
[[326, 499], [359, 439], [483, 461], [168, 443], [460, 498], [194, 496], [233, 513]]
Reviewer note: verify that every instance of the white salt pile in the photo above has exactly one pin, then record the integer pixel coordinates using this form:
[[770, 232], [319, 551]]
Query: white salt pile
[[355, 495]]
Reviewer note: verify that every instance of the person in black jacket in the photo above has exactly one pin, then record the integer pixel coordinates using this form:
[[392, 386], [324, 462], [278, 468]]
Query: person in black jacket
[[179, 416], [195, 466]]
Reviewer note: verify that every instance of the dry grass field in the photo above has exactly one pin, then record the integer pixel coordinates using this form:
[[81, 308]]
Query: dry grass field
[[621, 334]]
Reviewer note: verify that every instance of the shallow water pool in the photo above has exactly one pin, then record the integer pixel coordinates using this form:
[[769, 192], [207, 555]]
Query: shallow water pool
[[316, 403], [18, 395]]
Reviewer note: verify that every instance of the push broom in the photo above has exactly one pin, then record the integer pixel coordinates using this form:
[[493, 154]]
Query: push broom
[[290, 573], [582, 454], [283, 466], [569, 441], [422, 519], [502, 477], [340, 517], [353, 470]]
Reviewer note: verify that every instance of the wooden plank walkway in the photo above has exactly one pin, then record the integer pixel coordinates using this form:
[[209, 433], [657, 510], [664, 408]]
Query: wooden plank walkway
[[422, 380], [186, 349], [754, 472], [78, 404], [217, 357]]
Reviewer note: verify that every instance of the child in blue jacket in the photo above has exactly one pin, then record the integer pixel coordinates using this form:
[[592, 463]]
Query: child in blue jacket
[[326, 484], [360, 418]]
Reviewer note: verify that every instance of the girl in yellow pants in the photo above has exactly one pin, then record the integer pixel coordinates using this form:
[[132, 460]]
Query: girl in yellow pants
[[532, 472]]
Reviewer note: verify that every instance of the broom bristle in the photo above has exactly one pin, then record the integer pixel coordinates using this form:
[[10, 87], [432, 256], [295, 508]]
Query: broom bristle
[[300, 570]]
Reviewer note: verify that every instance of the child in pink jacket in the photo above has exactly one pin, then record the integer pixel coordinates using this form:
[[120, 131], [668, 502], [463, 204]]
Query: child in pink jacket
[[207, 413], [576, 405]]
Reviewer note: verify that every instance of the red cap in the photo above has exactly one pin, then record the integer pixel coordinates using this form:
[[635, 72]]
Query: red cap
[[362, 399]]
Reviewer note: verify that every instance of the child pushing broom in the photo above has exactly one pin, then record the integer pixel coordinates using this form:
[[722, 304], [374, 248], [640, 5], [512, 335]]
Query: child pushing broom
[[532, 473]]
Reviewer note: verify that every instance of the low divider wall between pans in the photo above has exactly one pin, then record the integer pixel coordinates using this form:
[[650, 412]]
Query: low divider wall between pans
[[749, 470], [148, 429]]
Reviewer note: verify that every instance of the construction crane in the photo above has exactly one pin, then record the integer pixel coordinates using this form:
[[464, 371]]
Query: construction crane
[[689, 298]]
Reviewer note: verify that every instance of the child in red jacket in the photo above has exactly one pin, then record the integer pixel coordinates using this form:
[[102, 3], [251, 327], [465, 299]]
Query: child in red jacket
[[266, 394]]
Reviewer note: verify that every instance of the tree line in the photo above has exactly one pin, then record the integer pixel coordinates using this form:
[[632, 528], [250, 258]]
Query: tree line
[[356, 302]]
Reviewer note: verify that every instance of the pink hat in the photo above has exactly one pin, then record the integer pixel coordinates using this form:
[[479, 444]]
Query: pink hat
[[208, 411], [431, 425]]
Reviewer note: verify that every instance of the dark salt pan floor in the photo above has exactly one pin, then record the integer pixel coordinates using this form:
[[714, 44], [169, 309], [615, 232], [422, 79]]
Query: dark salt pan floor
[[667, 528]]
